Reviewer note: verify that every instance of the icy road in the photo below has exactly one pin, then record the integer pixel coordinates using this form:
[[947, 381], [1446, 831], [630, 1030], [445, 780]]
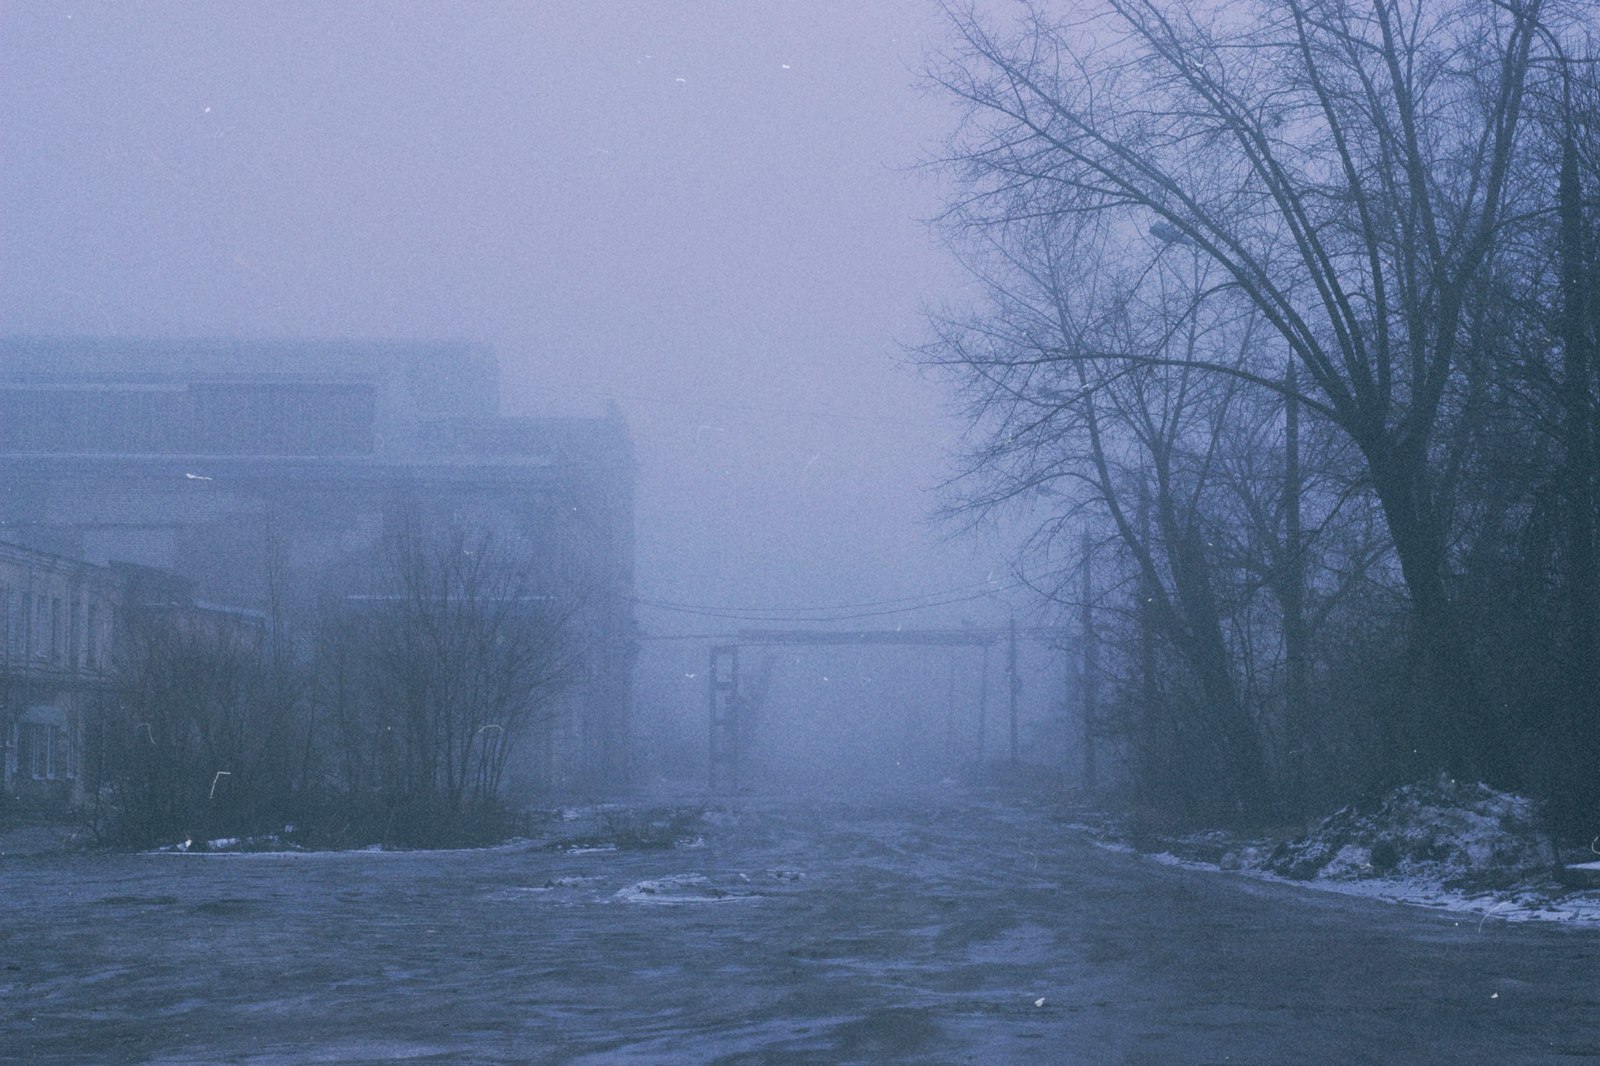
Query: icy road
[[921, 929]]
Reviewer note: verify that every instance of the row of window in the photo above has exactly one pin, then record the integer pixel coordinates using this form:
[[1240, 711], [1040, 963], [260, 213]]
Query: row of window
[[273, 418], [43, 628]]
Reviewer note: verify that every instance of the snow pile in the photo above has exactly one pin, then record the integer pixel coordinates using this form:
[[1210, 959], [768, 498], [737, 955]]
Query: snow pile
[[1449, 833], [680, 888], [262, 842], [1460, 847], [619, 828]]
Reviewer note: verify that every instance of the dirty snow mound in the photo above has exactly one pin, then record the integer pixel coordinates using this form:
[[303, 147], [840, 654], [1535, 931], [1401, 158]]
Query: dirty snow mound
[[1451, 833], [680, 888]]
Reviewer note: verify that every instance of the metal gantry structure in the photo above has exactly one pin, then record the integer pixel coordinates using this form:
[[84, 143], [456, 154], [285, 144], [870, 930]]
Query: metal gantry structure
[[728, 730]]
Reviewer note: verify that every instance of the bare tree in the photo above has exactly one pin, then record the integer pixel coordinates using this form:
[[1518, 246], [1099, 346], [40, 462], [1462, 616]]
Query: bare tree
[[1345, 170], [1141, 445], [196, 735], [434, 680]]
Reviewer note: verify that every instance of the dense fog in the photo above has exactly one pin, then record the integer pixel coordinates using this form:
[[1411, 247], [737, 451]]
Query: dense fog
[[895, 531], [714, 220], [710, 220]]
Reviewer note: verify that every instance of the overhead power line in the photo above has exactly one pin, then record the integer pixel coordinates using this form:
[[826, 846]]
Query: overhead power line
[[785, 410], [797, 615], [983, 587]]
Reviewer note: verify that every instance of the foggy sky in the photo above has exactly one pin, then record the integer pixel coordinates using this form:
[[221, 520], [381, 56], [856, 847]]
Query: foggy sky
[[705, 211]]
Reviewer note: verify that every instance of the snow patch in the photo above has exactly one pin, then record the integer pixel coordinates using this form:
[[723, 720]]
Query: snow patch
[[679, 888], [1447, 845]]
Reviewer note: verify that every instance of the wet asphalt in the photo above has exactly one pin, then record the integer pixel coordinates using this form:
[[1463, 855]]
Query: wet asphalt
[[942, 927]]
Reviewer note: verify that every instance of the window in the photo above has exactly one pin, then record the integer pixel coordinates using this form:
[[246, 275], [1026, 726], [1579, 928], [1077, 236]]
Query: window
[[46, 752], [92, 640], [74, 626], [128, 417], [39, 627], [284, 418], [35, 753], [57, 644]]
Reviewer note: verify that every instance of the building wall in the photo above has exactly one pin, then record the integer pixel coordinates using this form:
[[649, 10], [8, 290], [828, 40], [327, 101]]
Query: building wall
[[271, 473], [56, 631]]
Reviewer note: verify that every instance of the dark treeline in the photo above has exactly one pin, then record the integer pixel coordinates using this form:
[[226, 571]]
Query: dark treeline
[[1287, 350], [381, 716]]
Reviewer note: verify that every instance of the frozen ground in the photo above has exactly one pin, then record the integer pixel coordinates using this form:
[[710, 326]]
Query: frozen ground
[[930, 928]]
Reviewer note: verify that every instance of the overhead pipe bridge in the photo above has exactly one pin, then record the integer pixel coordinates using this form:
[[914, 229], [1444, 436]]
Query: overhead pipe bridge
[[727, 736]]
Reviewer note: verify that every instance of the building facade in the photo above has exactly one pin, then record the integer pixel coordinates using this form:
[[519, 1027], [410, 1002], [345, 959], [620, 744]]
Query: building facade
[[270, 474], [56, 631]]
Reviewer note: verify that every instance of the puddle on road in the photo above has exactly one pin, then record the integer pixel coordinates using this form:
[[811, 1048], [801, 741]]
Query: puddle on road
[[228, 908], [662, 889], [555, 887], [341, 1051], [1020, 945], [137, 901]]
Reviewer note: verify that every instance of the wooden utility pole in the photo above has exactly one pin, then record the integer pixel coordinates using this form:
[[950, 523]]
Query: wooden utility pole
[[983, 708], [1088, 667], [1011, 671], [950, 717]]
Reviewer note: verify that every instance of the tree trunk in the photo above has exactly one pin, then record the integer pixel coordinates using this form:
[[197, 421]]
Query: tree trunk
[[1291, 596], [1578, 277], [1452, 727], [1235, 740]]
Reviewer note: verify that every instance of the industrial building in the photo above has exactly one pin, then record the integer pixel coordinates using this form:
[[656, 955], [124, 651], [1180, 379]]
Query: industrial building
[[268, 474], [55, 641]]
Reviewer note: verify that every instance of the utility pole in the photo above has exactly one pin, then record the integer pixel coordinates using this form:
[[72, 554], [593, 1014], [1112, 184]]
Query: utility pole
[[983, 708], [950, 717], [1147, 626], [1011, 670], [1088, 665]]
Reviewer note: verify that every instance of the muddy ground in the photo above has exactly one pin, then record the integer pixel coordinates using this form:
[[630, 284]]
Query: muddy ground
[[927, 928]]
